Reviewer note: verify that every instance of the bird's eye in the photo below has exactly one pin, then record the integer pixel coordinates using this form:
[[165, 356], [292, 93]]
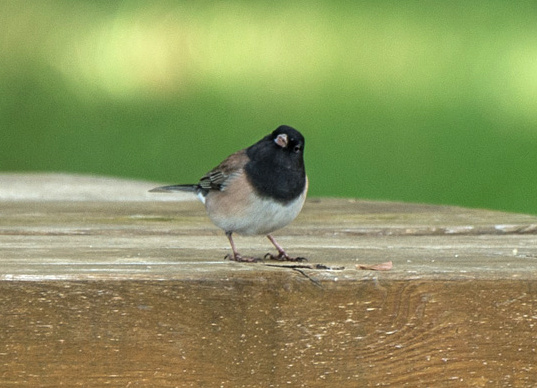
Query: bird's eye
[[297, 149]]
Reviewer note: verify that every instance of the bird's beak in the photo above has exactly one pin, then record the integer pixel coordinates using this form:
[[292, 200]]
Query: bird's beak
[[281, 140]]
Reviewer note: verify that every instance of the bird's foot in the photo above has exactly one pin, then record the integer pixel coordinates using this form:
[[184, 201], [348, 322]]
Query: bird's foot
[[283, 256], [242, 259]]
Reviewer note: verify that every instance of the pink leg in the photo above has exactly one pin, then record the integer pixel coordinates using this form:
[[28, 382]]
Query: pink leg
[[236, 255], [282, 255]]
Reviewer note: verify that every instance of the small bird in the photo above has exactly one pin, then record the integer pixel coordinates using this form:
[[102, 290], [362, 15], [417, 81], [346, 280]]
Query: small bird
[[255, 191]]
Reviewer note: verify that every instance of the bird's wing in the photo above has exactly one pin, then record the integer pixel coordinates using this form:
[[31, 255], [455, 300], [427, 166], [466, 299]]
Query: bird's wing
[[217, 178]]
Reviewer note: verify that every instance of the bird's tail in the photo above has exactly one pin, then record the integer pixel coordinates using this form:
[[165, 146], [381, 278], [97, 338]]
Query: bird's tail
[[175, 188]]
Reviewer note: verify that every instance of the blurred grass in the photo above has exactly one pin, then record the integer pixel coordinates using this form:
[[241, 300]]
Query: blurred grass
[[414, 101]]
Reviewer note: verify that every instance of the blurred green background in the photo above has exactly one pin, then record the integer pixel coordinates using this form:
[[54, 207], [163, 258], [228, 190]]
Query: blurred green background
[[415, 101]]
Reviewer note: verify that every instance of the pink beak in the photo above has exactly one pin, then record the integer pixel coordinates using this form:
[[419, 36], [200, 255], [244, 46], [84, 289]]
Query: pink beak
[[281, 140]]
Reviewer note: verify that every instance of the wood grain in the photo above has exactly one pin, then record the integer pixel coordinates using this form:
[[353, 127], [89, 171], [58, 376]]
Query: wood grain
[[275, 331], [136, 293]]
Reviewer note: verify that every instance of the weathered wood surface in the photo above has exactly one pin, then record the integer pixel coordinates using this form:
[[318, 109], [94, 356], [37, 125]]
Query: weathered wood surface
[[131, 289]]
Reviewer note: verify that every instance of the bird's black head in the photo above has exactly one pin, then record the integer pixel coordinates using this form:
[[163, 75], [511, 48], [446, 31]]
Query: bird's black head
[[284, 147], [276, 167], [289, 139]]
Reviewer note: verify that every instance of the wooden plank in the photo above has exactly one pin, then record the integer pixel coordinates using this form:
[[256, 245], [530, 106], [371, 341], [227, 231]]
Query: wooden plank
[[175, 240], [135, 292]]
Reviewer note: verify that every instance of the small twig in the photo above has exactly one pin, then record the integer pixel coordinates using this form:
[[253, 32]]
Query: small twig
[[307, 266], [300, 267], [315, 282]]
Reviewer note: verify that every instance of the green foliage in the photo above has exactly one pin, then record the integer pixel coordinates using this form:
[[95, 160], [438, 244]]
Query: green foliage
[[423, 102]]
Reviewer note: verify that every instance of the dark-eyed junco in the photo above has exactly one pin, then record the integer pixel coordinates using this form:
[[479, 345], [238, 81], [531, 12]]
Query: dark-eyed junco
[[256, 190]]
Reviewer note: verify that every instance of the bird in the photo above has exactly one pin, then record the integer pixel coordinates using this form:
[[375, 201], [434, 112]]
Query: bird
[[255, 191]]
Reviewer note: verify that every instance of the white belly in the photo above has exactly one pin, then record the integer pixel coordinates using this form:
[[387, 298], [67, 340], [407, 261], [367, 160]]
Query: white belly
[[247, 214]]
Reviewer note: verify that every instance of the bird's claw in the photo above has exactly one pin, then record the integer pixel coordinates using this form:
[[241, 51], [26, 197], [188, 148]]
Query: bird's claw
[[241, 259], [284, 257]]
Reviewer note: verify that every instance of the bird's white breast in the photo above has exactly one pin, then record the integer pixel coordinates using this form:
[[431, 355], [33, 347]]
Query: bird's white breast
[[244, 212]]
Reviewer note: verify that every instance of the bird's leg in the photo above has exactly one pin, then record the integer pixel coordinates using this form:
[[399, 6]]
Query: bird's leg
[[282, 255], [236, 255]]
